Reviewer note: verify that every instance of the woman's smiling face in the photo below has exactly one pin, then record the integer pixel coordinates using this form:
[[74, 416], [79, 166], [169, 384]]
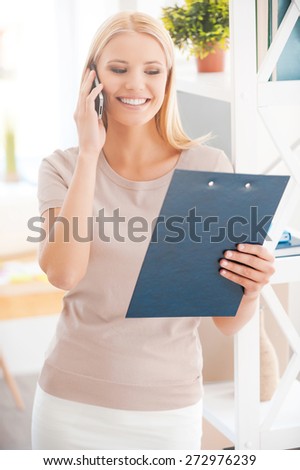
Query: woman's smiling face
[[133, 70]]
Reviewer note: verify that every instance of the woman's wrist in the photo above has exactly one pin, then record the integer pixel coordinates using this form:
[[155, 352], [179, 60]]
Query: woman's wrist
[[252, 296], [86, 168], [88, 156], [87, 161]]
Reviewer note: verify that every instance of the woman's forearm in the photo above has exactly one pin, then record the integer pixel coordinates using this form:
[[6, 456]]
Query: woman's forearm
[[251, 266], [231, 325], [64, 254]]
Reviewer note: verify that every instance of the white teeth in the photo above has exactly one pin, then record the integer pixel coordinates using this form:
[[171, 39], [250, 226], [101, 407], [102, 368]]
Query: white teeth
[[133, 102]]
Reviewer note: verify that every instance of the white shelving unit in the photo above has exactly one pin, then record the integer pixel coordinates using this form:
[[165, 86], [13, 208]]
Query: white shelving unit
[[220, 411], [234, 408], [210, 85]]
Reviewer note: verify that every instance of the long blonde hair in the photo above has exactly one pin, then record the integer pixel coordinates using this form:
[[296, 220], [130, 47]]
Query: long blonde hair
[[167, 119]]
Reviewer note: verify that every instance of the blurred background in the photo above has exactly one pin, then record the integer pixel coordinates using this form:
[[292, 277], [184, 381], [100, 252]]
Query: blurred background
[[43, 46]]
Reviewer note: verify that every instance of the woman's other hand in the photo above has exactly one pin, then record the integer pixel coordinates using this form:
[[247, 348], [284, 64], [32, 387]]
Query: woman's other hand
[[251, 266]]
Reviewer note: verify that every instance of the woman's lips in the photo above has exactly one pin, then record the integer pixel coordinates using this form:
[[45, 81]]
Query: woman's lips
[[134, 103]]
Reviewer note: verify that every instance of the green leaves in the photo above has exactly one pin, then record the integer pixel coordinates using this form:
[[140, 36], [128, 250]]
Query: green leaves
[[198, 25]]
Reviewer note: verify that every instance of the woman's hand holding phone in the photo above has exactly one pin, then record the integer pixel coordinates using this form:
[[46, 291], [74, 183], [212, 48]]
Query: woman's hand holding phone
[[91, 131]]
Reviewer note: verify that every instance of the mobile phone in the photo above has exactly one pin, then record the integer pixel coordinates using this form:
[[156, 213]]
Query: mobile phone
[[99, 101]]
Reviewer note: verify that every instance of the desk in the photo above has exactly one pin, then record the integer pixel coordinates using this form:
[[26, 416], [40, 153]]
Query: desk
[[28, 296], [29, 299], [26, 299]]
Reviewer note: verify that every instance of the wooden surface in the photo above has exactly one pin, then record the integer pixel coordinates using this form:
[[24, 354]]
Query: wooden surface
[[28, 305], [27, 299]]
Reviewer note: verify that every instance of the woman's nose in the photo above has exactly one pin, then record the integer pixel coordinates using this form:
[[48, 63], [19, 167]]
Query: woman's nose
[[135, 81]]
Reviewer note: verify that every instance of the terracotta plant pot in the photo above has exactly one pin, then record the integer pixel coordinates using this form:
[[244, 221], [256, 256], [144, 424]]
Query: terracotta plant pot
[[214, 62]]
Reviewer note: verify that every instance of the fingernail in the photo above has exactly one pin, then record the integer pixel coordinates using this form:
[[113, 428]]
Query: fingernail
[[228, 254], [241, 247]]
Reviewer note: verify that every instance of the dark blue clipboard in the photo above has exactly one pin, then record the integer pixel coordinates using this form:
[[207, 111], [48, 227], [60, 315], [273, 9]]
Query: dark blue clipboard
[[180, 273]]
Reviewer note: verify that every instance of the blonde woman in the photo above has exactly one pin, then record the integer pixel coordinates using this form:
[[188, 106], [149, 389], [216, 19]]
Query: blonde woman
[[110, 382]]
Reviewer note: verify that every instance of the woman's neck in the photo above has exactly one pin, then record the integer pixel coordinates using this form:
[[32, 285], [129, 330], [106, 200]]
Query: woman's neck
[[138, 152]]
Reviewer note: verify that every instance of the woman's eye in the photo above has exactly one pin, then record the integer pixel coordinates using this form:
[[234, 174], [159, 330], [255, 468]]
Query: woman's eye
[[152, 72], [117, 70]]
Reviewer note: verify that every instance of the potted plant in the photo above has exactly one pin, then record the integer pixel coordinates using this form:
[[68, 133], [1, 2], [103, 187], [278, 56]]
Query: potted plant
[[200, 27]]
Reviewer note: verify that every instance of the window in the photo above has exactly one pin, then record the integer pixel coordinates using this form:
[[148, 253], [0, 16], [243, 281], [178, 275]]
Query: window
[[42, 50], [43, 46]]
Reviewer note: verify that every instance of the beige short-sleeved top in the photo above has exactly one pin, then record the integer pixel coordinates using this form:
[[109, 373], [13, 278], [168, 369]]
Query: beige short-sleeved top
[[98, 356]]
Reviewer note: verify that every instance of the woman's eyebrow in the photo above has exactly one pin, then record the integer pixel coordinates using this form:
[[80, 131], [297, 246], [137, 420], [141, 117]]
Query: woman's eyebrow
[[117, 60], [145, 63], [153, 62]]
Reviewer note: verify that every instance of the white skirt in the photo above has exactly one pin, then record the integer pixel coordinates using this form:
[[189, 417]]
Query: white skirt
[[68, 425]]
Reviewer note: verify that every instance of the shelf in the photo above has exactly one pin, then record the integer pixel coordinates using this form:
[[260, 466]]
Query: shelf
[[218, 407], [209, 85], [219, 411], [217, 86], [287, 270]]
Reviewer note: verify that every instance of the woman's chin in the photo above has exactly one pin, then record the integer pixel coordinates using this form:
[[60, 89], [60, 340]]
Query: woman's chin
[[130, 120]]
